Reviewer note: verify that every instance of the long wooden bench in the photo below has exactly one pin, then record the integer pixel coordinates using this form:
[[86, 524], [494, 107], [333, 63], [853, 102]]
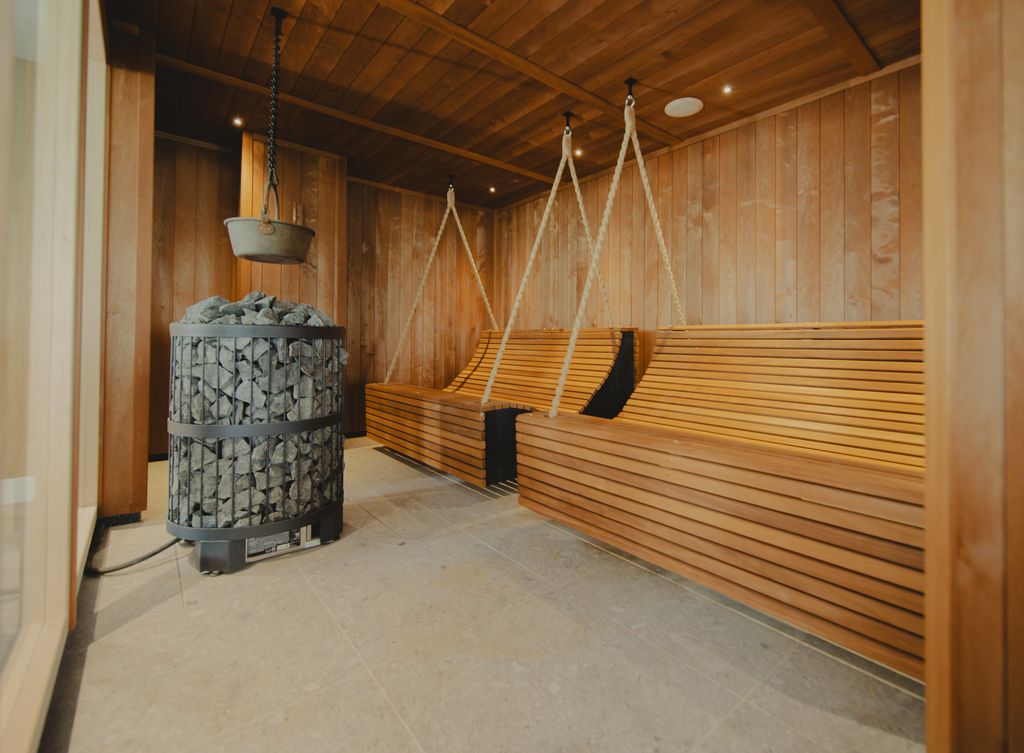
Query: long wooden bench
[[781, 465], [451, 429]]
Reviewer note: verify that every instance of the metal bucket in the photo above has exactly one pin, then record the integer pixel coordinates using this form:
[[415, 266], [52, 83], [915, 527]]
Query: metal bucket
[[275, 242], [266, 240]]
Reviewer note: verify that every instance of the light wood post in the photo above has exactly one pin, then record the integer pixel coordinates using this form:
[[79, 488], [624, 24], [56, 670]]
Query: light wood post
[[973, 121]]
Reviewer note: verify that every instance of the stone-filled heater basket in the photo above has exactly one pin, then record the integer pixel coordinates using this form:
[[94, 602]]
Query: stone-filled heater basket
[[256, 444]]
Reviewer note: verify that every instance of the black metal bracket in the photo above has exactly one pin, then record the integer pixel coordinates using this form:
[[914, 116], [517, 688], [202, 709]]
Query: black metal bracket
[[629, 89], [568, 117]]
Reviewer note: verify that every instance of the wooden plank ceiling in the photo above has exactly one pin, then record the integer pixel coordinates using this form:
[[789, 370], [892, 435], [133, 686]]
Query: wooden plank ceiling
[[369, 60]]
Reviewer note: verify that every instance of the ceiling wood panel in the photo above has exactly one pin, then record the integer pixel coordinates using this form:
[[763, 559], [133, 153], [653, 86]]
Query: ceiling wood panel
[[368, 60]]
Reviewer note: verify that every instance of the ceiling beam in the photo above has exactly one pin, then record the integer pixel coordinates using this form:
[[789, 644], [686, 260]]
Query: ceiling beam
[[238, 83], [437, 22], [838, 26]]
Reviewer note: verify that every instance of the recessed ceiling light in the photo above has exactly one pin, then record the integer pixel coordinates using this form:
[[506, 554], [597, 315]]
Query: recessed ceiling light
[[727, 89], [579, 152], [492, 189], [236, 121], [683, 107]]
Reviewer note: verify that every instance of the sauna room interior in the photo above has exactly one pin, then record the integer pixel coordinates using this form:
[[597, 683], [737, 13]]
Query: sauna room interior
[[512, 376]]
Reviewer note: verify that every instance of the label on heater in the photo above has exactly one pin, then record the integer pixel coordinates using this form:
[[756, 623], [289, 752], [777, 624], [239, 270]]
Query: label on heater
[[277, 542]]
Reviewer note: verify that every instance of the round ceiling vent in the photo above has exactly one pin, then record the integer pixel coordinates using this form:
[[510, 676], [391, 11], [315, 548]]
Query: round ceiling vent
[[683, 107]]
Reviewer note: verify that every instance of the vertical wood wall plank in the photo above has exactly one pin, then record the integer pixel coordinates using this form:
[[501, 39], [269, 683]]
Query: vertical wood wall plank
[[726, 272], [885, 198], [911, 289], [709, 245], [808, 238], [785, 216], [694, 232], [833, 219], [162, 307], [857, 156], [127, 306], [764, 222], [678, 247], [746, 225]]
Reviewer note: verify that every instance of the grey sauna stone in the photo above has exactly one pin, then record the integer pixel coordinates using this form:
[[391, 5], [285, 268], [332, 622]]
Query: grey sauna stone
[[225, 319], [266, 316], [248, 391], [200, 312]]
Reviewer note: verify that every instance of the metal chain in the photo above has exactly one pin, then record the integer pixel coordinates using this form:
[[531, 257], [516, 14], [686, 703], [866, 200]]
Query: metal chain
[[272, 120]]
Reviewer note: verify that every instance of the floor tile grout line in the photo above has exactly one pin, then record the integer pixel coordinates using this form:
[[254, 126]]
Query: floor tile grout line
[[767, 625], [745, 700], [366, 665], [512, 559], [398, 714]]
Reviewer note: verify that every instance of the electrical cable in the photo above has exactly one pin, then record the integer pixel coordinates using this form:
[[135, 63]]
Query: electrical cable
[[95, 572]]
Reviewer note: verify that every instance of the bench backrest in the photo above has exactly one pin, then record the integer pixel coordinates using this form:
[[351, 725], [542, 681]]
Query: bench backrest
[[529, 370], [854, 388]]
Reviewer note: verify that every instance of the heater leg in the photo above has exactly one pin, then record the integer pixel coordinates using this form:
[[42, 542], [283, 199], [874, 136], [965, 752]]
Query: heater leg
[[219, 556], [330, 525]]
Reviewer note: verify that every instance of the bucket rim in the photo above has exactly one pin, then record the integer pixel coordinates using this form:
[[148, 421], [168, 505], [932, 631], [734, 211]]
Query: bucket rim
[[306, 228]]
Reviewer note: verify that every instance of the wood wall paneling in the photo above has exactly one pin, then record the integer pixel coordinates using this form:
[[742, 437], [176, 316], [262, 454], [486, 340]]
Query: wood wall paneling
[[389, 239], [195, 190], [812, 213], [127, 288], [313, 190]]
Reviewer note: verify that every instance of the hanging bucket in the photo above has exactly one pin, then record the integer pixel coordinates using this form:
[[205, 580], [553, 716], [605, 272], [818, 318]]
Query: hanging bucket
[[270, 241], [260, 238]]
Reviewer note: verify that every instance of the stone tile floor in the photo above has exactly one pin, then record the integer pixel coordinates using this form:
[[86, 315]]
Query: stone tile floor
[[448, 619]]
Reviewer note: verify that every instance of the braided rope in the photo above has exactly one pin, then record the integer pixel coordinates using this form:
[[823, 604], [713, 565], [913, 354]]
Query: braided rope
[[590, 241], [529, 268], [657, 229], [419, 291], [472, 261], [563, 376]]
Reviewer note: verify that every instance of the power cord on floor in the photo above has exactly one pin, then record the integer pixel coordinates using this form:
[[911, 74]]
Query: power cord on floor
[[95, 572]]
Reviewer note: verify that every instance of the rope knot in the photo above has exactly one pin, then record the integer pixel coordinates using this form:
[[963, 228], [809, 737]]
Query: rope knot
[[630, 116], [451, 197], [566, 144]]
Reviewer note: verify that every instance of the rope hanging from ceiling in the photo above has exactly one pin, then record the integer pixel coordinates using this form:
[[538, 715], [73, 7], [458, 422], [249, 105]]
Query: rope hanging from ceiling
[[509, 326], [449, 210], [629, 136]]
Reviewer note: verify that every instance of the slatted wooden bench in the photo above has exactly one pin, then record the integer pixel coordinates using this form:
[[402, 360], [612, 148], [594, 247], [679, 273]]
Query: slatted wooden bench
[[452, 431], [781, 465]]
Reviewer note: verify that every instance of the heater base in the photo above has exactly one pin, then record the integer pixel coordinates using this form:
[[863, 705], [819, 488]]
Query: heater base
[[218, 556]]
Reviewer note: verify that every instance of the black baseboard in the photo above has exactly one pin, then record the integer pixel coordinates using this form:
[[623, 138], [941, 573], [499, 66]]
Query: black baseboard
[[120, 520]]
